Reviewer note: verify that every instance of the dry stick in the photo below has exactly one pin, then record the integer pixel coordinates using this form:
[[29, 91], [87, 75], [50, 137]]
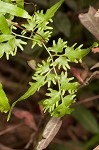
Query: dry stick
[[87, 100], [10, 128], [30, 141], [90, 98], [92, 77]]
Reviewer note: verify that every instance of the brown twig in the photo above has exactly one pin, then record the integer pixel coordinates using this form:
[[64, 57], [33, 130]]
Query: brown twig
[[87, 100], [9, 129]]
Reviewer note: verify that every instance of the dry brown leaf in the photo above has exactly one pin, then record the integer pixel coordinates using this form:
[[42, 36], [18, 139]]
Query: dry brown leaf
[[95, 50], [27, 116], [49, 133], [32, 64], [95, 66], [97, 13], [97, 148], [90, 21]]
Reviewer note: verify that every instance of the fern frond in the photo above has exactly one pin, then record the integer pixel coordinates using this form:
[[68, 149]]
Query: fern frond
[[58, 47], [75, 55]]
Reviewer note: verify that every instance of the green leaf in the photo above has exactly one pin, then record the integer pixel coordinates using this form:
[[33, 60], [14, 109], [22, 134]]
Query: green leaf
[[76, 54], [51, 103], [13, 10], [40, 20], [50, 12], [58, 48], [1, 52], [50, 79], [68, 100], [66, 85], [4, 104], [95, 44], [31, 23], [10, 47], [55, 96], [20, 3], [4, 25], [18, 43], [33, 88], [5, 37], [43, 68], [61, 110], [8, 1], [86, 119], [40, 36], [62, 63], [5, 47], [37, 22], [91, 143]]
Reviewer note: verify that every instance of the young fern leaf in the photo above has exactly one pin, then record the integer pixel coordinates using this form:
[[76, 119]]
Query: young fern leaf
[[10, 47], [8, 42], [61, 110], [50, 103], [50, 13], [58, 104], [57, 99], [62, 62], [42, 34], [40, 37], [75, 55], [58, 48], [39, 22], [5, 37], [53, 71], [66, 85], [4, 46], [43, 68], [51, 78], [64, 108]]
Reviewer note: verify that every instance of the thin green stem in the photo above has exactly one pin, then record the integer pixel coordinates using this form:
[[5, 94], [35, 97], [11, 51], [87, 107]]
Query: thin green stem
[[32, 32], [51, 59], [22, 36], [53, 68]]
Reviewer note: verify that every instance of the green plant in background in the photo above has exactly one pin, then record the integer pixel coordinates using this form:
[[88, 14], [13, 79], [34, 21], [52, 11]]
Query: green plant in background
[[53, 71]]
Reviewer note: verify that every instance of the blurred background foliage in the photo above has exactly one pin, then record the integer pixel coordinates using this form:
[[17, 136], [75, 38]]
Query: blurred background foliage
[[79, 131]]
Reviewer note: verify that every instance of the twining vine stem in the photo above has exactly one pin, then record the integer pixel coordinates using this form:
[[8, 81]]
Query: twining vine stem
[[54, 69]]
